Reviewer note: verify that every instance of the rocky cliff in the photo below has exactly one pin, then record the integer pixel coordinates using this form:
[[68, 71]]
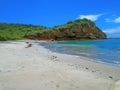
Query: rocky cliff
[[73, 30]]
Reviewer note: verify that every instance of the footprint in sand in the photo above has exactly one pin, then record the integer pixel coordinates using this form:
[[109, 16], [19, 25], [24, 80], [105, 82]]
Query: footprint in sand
[[54, 58], [57, 85], [116, 86]]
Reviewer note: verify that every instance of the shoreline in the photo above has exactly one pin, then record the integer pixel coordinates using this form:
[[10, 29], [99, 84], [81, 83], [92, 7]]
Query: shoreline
[[115, 64], [40, 69]]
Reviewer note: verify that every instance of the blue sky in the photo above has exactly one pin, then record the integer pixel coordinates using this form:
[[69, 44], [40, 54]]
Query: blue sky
[[105, 13]]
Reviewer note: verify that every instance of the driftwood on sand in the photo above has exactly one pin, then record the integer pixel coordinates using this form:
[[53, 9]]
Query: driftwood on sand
[[29, 45]]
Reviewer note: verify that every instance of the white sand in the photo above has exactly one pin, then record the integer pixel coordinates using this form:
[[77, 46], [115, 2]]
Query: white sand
[[36, 68]]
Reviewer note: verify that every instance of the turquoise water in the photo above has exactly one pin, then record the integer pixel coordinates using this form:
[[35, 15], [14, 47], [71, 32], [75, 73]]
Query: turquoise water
[[106, 51]]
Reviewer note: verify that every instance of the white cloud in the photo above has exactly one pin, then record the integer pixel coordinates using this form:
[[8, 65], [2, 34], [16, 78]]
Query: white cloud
[[108, 20], [112, 30], [117, 20], [90, 17]]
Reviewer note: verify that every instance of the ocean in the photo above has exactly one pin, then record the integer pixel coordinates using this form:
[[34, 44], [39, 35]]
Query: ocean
[[104, 51]]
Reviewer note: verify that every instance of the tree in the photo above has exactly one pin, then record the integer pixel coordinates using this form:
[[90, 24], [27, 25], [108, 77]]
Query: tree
[[69, 22]]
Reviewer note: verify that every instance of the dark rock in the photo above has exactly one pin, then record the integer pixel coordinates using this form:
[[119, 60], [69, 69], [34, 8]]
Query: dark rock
[[27, 42], [111, 77], [29, 45]]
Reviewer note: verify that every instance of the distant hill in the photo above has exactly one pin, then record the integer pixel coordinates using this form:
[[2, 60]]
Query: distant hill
[[10, 31], [72, 30]]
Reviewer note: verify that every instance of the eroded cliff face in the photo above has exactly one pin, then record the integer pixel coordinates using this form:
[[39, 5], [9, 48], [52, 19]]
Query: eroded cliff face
[[71, 32]]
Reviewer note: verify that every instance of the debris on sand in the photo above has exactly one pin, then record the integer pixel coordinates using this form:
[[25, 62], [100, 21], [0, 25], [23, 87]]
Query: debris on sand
[[29, 45]]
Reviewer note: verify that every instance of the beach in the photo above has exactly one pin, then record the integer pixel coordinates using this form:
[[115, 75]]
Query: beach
[[33, 67]]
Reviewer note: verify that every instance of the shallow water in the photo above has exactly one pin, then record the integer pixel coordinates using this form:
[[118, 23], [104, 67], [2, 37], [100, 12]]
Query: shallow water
[[106, 51]]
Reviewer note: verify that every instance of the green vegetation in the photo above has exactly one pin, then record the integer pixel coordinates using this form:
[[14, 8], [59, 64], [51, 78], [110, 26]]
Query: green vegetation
[[20, 31], [78, 22], [70, 22]]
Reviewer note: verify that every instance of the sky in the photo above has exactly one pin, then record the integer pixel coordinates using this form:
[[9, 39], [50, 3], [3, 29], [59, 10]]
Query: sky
[[105, 13]]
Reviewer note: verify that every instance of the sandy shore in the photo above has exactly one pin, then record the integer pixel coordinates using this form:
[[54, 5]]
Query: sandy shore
[[36, 68]]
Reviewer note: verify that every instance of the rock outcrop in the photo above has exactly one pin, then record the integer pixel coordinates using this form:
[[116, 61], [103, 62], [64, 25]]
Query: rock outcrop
[[77, 30]]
